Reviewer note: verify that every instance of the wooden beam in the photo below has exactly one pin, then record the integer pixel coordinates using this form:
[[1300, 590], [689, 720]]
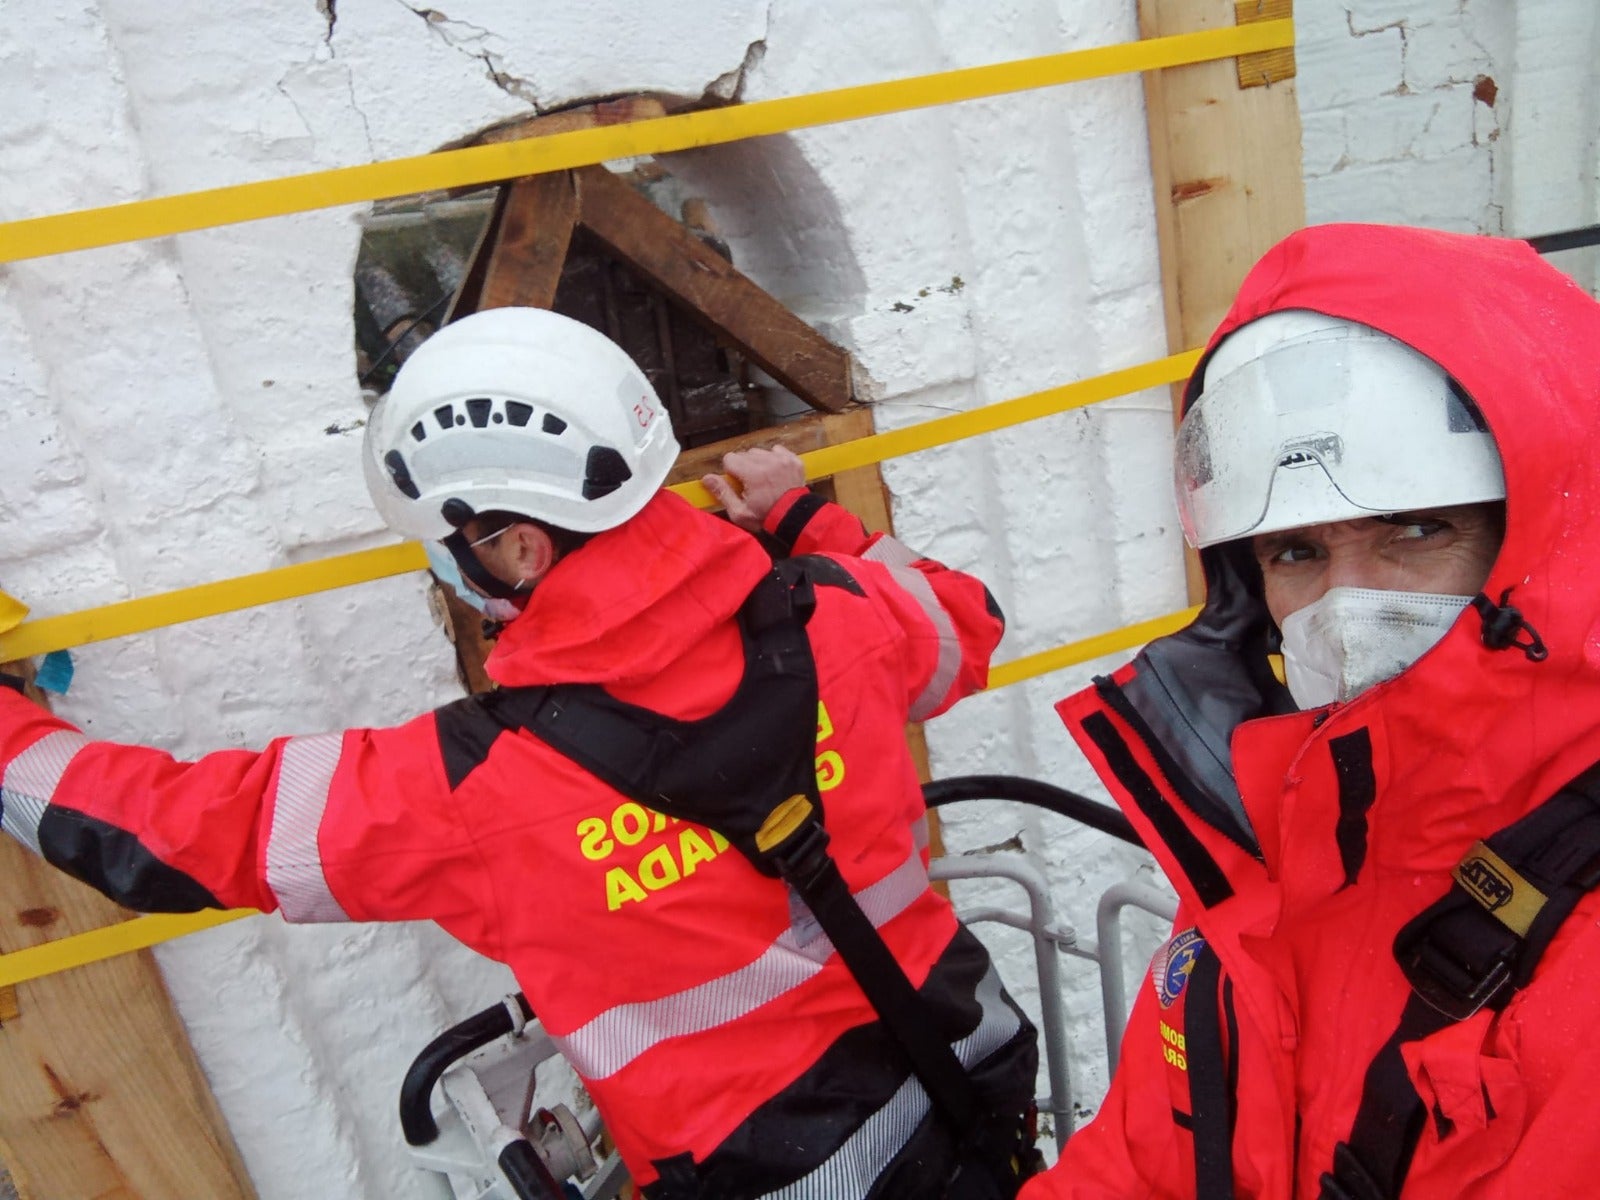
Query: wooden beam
[[621, 111], [609, 112], [100, 1092], [801, 436], [1225, 163], [470, 289], [712, 290], [530, 242]]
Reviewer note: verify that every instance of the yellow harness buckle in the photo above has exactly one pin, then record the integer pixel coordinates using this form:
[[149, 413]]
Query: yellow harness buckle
[[782, 821]]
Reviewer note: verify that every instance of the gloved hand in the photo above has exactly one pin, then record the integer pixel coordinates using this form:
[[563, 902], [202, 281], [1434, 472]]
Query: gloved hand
[[753, 482]]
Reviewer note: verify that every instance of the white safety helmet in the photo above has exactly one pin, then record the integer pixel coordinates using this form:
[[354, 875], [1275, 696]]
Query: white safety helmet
[[1304, 418], [519, 410]]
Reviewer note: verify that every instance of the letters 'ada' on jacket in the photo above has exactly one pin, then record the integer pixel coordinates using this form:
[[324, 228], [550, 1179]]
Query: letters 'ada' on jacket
[[699, 1009], [1299, 849]]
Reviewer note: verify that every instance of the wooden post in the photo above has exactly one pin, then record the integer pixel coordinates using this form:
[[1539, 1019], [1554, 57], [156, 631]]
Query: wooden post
[[1225, 161], [531, 240]]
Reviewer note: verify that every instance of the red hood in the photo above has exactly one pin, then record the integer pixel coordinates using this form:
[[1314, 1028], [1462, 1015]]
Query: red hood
[[1524, 341], [631, 601]]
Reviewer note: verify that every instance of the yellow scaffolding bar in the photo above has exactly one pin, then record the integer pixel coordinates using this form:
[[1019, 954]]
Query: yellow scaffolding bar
[[62, 233]]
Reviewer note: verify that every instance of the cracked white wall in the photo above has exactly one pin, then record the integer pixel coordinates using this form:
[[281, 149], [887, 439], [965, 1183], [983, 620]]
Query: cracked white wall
[[183, 410]]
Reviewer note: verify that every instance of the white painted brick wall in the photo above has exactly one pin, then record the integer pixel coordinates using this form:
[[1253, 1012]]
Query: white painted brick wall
[[184, 410]]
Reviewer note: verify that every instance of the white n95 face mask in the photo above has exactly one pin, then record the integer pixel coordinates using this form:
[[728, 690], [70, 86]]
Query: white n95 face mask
[[1351, 638]]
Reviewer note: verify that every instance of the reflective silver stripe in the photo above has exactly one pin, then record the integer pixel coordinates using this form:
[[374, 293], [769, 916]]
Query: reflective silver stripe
[[616, 1037], [852, 1168], [30, 783], [944, 671], [294, 864], [891, 552]]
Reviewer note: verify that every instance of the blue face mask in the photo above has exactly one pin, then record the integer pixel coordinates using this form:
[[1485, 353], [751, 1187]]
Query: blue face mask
[[444, 566]]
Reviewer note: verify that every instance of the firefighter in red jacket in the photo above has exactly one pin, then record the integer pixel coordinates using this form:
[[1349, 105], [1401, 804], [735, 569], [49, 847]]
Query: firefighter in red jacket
[[1364, 766], [730, 1051]]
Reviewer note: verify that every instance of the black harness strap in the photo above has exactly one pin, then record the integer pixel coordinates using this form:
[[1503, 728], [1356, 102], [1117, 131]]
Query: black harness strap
[[1211, 1078], [1469, 950], [748, 771]]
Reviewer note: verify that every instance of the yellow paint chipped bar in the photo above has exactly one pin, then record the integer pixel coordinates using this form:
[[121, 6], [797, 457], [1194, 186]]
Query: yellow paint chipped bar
[[162, 216]]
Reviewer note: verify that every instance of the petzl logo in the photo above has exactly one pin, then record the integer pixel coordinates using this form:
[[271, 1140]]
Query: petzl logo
[[1479, 876]]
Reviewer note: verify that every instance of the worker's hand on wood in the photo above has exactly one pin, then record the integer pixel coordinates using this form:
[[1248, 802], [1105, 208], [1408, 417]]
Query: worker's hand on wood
[[752, 481]]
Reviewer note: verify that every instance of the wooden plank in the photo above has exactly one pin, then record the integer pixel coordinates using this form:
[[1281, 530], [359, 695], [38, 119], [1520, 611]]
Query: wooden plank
[[860, 490], [705, 283], [1226, 166], [589, 116], [470, 288], [1269, 66], [530, 242], [801, 436], [1225, 163], [100, 1092]]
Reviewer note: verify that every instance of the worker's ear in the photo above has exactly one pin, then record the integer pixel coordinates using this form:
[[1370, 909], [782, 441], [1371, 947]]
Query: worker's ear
[[532, 553]]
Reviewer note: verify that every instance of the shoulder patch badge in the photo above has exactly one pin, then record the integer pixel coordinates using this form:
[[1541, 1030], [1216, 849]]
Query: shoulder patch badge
[[1172, 964]]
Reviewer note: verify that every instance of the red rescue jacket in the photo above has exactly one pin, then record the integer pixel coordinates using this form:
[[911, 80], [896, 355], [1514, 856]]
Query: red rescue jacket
[[681, 984], [1300, 843]]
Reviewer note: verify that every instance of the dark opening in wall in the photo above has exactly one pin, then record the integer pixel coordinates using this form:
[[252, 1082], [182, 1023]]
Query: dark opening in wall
[[415, 255], [631, 254]]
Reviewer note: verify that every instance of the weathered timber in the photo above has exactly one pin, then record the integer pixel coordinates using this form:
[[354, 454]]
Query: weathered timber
[[713, 290]]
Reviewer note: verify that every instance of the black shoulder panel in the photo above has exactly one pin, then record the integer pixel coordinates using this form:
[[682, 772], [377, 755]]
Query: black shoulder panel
[[113, 861], [1210, 884], [1352, 766], [467, 729], [993, 606]]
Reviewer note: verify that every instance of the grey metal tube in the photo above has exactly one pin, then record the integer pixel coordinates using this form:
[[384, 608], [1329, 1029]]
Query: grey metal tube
[[1047, 937], [1108, 933]]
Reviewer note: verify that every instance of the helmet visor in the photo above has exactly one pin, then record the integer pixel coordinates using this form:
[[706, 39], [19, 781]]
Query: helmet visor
[[1328, 430]]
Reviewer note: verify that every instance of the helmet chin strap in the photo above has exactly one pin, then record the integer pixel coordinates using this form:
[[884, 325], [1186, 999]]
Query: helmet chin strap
[[475, 573]]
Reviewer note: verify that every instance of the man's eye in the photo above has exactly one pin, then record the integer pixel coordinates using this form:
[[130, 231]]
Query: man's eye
[[1295, 553], [1411, 530]]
